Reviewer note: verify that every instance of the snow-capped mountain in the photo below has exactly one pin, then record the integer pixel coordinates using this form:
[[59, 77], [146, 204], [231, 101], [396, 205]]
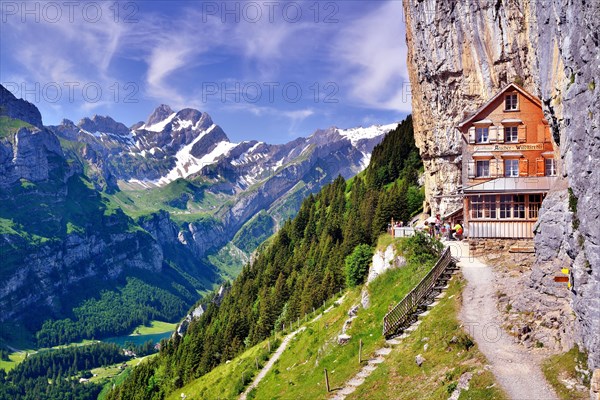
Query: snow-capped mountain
[[170, 145], [244, 178]]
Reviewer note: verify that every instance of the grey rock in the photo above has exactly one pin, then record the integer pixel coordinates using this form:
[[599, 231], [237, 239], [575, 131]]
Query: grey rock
[[419, 359]]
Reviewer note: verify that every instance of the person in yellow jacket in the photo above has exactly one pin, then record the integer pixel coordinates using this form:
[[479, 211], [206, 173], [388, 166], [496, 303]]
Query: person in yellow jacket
[[457, 231]]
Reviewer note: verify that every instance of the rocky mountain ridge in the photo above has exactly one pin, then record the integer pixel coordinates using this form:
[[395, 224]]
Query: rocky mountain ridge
[[80, 177]]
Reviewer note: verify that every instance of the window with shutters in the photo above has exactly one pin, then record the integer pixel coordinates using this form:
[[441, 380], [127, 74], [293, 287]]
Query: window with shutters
[[483, 168], [482, 135], [511, 167], [511, 134], [510, 102], [550, 167]]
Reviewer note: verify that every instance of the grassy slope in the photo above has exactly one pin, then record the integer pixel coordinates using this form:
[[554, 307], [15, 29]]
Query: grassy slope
[[228, 380], [399, 377], [10, 126], [299, 373], [564, 367], [155, 327]]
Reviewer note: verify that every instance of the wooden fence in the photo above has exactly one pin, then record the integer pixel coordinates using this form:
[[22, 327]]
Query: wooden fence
[[403, 310]]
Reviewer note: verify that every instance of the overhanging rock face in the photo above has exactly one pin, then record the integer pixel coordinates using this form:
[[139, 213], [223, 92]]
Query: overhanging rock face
[[460, 54]]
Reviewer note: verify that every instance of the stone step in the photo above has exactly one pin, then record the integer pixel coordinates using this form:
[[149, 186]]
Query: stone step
[[413, 327], [377, 360], [347, 390], [369, 367], [384, 351], [441, 295], [356, 381], [435, 303], [441, 287], [424, 314], [392, 342]]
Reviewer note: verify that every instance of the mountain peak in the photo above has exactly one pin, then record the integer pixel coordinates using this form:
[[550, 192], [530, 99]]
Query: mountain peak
[[105, 124], [21, 109], [160, 114]]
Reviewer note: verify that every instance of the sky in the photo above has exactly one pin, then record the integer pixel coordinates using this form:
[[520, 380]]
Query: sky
[[263, 70]]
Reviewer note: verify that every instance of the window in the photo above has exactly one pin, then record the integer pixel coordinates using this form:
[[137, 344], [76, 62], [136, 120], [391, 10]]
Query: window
[[511, 134], [511, 167], [482, 135], [483, 169], [518, 206], [512, 206], [510, 102], [550, 167], [483, 207], [505, 206], [535, 202]]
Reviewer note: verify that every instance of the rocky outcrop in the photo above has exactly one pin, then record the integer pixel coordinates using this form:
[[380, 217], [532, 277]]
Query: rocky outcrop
[[461, 53], [20, 109], [383, 261], [29, 154], [48, 272]]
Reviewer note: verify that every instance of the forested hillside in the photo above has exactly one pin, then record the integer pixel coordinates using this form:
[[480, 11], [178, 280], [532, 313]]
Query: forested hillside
[[302, 266]]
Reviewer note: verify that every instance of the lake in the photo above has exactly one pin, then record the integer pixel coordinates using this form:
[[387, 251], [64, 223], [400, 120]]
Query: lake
[[138, 339]]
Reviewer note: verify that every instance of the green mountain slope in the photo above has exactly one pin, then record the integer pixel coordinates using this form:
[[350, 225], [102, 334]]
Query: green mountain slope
[[303, 266]]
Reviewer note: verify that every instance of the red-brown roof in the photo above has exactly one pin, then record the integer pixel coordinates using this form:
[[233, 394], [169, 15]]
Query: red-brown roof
[[512, 86]]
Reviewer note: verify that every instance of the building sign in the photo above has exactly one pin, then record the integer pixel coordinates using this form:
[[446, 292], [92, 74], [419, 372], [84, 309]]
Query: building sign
[[510, 147]]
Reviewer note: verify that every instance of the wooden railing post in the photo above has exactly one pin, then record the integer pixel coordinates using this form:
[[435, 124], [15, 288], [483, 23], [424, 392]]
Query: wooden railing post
[[411, 301]]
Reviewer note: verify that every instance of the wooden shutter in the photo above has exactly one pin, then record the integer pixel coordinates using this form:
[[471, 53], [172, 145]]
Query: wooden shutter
[[500, 168], [522, 133], [472, 134], [540, 163], [500, 134], [471, 168], [523, 167], [541, 133], [493, 133]]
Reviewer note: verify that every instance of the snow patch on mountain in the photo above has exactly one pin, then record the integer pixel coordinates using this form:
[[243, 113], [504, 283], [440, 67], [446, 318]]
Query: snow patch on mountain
[[360, 133], [187, 164], [159, 126]]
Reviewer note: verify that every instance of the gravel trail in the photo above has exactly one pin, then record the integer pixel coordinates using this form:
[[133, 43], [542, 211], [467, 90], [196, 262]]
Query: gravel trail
[[516, 370]]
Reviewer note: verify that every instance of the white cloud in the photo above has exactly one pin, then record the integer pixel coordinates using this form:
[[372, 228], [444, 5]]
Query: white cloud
[[373, 52]]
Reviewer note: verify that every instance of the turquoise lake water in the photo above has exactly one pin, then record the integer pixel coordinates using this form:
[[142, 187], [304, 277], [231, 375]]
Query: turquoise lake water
[[138, 339]]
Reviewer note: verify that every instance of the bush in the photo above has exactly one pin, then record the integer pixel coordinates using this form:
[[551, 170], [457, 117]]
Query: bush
[[357, 264]]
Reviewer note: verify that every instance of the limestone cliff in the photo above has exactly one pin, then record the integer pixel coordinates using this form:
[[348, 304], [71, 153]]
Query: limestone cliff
[[462, 52]]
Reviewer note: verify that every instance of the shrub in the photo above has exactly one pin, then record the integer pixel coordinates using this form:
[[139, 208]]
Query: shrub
[[357, 264]]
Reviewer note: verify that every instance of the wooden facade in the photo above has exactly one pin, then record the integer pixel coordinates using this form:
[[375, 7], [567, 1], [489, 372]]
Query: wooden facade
[[508, 165]]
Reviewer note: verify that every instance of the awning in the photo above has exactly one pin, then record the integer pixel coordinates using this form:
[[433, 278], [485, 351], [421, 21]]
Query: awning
[[548, 154], [529, 184], [511, 121], [482, 154], [511, 154]]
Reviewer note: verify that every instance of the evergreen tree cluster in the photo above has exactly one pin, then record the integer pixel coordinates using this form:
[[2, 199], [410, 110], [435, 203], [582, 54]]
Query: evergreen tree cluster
[[114, 313], [55, 374], [302, 266]]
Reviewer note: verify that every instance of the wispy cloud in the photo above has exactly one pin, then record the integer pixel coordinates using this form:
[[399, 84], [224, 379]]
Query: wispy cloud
[[373, 51]]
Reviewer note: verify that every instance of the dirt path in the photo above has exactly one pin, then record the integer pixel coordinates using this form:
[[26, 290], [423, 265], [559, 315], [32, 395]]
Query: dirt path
[[263, 372], [516, 370], [271, 362]]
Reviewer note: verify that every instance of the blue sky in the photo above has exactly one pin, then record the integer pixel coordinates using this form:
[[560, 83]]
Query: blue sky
[[266, 70]]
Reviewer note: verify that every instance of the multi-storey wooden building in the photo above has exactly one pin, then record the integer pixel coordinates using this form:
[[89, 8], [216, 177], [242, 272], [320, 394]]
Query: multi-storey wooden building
[[508, 165]]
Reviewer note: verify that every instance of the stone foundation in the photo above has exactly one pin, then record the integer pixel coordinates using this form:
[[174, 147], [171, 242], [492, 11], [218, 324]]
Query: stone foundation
[[479, 247]]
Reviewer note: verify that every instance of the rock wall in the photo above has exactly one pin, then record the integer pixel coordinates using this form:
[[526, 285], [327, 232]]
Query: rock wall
[[462, 52]]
